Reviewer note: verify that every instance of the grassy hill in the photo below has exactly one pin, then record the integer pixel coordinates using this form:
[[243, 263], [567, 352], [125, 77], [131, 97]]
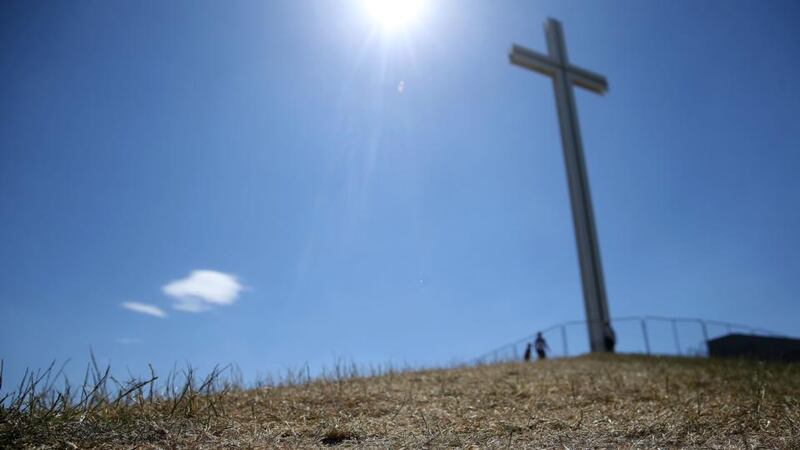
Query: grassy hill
[[590, 401]]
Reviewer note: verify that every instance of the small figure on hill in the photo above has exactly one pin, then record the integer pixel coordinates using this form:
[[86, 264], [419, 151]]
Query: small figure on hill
[[541, 346], [609, 338], [527, 352]]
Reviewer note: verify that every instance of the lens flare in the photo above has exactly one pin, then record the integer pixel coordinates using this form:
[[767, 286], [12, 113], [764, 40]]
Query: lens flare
[[394, 14]]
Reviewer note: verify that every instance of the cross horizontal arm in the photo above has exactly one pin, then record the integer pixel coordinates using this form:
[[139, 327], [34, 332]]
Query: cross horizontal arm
[[546, 65], [530, 59], [587, 80]]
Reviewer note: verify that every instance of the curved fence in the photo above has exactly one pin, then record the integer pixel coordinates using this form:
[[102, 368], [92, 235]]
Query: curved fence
[[635, 334]]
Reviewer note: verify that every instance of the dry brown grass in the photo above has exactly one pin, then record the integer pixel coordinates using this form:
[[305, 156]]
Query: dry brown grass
[[592, 401]]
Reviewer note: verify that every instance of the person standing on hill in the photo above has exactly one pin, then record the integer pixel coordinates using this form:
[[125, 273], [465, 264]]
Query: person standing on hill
[[541, 346], [527, 352]]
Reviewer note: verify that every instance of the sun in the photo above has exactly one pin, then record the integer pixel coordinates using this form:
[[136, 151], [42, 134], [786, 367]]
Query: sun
[[394, 14]]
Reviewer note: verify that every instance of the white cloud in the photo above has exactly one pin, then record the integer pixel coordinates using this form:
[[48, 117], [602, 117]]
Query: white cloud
[[143, 308], [202, 290], [129, 341], [191, 304]]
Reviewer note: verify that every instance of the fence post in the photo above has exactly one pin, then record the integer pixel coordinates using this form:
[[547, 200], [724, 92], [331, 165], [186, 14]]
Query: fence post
[[675, 335], [564, 339], [646, 339]]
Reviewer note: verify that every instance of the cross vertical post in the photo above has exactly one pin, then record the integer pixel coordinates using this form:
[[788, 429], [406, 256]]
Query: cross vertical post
[[556, 65]]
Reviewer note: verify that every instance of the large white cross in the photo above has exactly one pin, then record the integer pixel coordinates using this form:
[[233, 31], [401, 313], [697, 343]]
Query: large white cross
[[564, 75]]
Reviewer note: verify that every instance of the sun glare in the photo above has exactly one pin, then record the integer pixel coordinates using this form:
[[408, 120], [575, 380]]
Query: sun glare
[[394, 14]]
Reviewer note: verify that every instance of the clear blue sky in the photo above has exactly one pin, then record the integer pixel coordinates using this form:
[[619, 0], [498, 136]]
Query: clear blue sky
[[270, 144]]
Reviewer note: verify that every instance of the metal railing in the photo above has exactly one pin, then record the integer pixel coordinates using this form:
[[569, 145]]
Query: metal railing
[[635, 334]]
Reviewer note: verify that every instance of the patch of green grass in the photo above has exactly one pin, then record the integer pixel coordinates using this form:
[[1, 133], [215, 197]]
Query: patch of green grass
[[590, 401]]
